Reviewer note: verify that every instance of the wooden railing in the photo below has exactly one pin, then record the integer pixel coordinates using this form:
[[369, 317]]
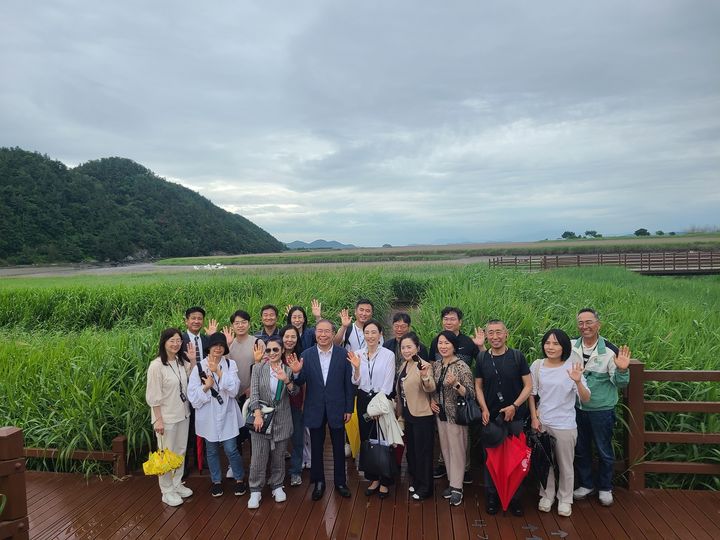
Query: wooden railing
[[14, 516], [117, 455], [638, 437], [686, 262]]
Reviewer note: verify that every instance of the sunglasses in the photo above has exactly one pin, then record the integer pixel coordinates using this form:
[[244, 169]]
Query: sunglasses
[[273, 349]]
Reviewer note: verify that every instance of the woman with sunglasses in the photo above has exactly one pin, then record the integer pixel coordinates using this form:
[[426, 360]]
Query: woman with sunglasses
[[270, 386]]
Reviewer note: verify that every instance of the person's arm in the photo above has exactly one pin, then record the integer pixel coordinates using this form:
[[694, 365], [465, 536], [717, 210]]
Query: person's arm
[[618, 367], [349, 393], [228, 383], [480, 397], [575, 373], [345, 322], [198, 394], [534, 417], [389, 379]]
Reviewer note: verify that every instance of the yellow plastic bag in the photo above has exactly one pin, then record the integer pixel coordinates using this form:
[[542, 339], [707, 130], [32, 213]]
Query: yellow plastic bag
[[162, 461]]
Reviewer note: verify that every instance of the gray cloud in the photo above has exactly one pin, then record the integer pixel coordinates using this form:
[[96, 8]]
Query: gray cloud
[[371, 123]]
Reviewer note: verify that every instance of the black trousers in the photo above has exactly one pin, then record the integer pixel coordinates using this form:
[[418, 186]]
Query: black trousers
[[420, 435], [317, 441]]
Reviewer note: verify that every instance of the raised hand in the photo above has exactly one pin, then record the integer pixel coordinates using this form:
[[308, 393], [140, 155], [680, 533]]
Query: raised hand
[[229, 334], [316, 308], [294, 364], [354, 359], [212, 327], [479, 337], [258, 350], [287, 309], [622, 359], [345, 318], [190, 351], [280, 373], [576, 371]]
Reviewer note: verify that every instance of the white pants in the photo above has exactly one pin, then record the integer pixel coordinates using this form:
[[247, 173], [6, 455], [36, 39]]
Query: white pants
[[175, 439], [453, 444], [564, 456]]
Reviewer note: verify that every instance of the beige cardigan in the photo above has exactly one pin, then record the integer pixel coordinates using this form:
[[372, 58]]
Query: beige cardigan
[[417, 392]]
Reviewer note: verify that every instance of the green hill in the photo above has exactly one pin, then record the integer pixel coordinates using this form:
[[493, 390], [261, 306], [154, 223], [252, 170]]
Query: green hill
[[111, 209]]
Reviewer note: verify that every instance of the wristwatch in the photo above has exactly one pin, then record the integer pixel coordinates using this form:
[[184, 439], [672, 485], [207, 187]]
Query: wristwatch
[[457, 386]]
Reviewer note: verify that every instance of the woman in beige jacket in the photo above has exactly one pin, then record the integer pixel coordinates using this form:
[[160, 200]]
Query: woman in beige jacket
[[414, 386]]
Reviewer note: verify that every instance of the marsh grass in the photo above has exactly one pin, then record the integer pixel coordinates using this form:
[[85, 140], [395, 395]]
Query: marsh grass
[[74, 351]]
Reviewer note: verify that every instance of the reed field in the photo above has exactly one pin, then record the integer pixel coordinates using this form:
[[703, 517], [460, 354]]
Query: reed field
[[74, 351]]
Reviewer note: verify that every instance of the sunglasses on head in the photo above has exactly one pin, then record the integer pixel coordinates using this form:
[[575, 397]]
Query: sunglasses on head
[[273, 349]]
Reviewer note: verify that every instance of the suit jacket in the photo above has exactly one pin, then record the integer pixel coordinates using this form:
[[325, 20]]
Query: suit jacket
[[204, 340], [282, 425], [334, 397]]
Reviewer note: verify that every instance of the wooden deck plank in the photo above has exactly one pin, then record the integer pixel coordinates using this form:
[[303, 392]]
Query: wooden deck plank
[[81, 508]]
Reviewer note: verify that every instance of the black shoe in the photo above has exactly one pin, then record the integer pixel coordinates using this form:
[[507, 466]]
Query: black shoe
[[516, 509], [343, 490], [216, 490], [439, 471], [467, 478], [369, 492], [384, 494], [240, 488], [492, 505], [318, 491]]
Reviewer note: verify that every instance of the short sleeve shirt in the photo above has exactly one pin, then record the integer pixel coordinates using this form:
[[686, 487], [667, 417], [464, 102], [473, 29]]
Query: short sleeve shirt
[[502, 378]]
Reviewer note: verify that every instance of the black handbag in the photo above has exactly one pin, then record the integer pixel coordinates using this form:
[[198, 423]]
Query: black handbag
[[267, 416], [467, 412], [376, 458]]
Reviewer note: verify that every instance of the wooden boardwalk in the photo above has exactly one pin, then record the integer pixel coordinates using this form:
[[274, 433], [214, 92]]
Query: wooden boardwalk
[[69, 506]]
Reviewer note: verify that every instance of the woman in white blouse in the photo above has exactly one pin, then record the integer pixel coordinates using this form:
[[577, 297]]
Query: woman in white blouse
[[166, 394], [558, 381], [212, 389], [373, 372]]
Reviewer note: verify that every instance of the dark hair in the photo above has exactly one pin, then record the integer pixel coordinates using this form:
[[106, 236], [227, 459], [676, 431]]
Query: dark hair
[[589, 310], [165, 336], [362, 301], [276, 339], [563, 340], [284, 330], [292, 310], [411, 336], [240, 313], [376, 323], [401, 316], [452, 338], [195, 309], [449, 309], [269, 306]]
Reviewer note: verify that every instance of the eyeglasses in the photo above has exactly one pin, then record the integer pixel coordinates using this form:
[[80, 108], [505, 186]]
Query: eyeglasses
[[586, 323], [273, 349]]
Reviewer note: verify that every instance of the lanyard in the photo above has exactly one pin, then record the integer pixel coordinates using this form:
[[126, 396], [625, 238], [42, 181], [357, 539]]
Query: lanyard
[[359, 337]]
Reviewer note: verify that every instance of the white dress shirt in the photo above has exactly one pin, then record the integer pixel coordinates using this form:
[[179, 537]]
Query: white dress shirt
[[377, 373]]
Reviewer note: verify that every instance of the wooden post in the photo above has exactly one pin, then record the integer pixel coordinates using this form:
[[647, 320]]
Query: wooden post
[[14, 518], [119, 446], [635, 419]]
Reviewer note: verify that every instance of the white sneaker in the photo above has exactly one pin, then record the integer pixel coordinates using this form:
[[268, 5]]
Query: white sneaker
[[279, 494], [564, 509], [348, 450], [545, 505], [254, 500], [229, 473], [582, 492], [183, 491], [172, 499], [606, 498]]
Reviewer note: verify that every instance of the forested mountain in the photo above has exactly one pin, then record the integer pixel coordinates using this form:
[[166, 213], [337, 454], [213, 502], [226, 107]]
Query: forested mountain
[[111, 209]]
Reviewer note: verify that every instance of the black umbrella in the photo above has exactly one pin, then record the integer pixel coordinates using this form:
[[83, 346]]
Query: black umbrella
[[542, 458]]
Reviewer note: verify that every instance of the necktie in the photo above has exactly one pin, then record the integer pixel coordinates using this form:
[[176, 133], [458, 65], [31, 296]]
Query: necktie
[[197, 350]]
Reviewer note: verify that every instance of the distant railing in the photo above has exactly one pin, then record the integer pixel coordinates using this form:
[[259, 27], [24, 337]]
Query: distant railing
[[685, 262], [117, 455], [638, 437]]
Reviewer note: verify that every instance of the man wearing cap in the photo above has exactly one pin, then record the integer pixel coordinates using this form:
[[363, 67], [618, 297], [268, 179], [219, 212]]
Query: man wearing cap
[[502, 386], [606, 371]]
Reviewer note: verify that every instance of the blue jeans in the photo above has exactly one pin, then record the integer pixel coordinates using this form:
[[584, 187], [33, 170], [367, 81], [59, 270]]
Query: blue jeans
[[597, 427], [298, 441], [231, 451]]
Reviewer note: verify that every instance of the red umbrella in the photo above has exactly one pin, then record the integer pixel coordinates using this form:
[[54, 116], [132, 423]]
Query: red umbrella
[[199, 444], [508, 464]]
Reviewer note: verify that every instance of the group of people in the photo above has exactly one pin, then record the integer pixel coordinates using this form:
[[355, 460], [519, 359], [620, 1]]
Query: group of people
[[298, 382]]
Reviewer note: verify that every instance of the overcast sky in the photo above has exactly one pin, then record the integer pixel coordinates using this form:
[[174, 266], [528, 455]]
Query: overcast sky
[[385, 122]]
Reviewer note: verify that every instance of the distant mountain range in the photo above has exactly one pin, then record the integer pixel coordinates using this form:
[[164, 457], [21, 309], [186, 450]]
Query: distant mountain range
[[319, 244], [111, 209]]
